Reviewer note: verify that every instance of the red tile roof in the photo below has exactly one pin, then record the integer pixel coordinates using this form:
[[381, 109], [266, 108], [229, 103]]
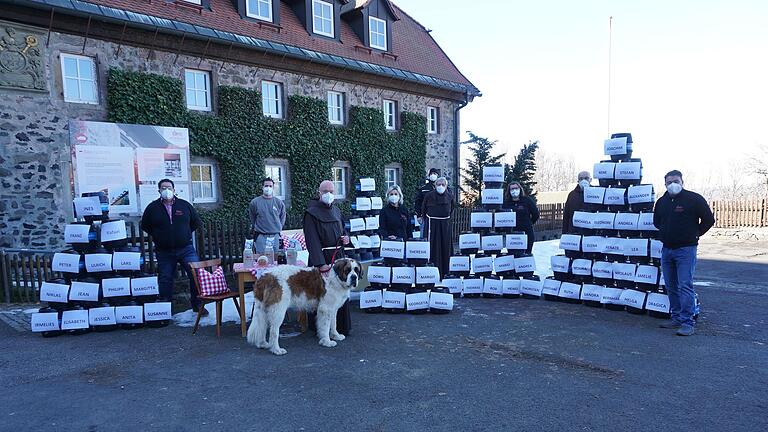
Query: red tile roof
[[415, 49]]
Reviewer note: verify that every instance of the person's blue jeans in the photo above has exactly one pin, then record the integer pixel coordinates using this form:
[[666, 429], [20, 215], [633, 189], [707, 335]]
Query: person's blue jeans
[[166, 271], [678, 266]]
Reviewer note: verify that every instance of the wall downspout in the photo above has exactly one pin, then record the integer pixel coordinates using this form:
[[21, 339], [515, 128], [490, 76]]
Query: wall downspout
[[457, 140]]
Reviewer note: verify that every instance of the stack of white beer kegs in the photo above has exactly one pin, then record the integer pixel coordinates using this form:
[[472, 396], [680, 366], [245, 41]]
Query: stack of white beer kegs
[[97, 283], [492, 260], [363, 226], [613, 259], [405, 280]]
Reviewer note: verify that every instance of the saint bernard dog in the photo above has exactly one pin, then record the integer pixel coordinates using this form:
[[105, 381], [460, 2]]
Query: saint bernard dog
[[301, 288]]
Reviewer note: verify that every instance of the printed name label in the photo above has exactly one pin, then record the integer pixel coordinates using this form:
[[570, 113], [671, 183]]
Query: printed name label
[[658, 302], [394, 300], [594, 195], [126, 260], [473, 286], [603, 170], [582, 219], [517, 241], [87, 206], [454, 285], [67, 263], [102, 316], [145, 286], [531, 287], [157, 311], [116, 287], [624, 271], [427, 275], [582, 267], [525, 264], [626, 221], [504, 263], [615, 146], [111, 231], [417, 301], [492, 286], [481, 220], [570, 242], [611, 296], [635, 247], [510, 286], [371, 299], [377, 274], [602, 269], [615, 196], [469, 241], [492, 243], [372, 223], [403, 275], [603, 220], [459, 264], [560, 264], [570, 290], [505, 219], [45, 321], [98, 262], [367, 185], [441, 301], [551, 287], [492, 196], [482, 265], [76, 233], [628, 171], [591, 292], [363, 204], [53, 292], [640, 194], [633, 298], [647, 274], [656, 246], [493, 174], [377, 203], [645, 222], [417, 250], [74, 320], [392, 249], [593, 244], [84, 291], [129, 314], [356, 224]]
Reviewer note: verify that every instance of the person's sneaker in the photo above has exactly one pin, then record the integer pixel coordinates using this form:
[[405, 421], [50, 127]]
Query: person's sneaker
[[685, 330], [671, 324]]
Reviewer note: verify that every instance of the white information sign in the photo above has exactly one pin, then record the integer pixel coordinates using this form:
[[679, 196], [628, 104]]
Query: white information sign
[[417, 250], [492, 196], [626, 221], [129, 314], [126, 260], [611, 296], [84, 291], [116, 287], [157, 311], [492, 242], [582, 267], [377, 203], [594, 195], [145, 286], [74, 319], [582, 219], [645, 222], [531, 287], [592, 244], [560, 263], [87, 206], [493, 174], [615, 196], [570, 290], [440, 301], [615, 146], [98, 262], [74, 233], [403, 275], [472, 286], [454, 285], [603, 170], [394, 299], [372, 223], [628, 171], [427, 275], [624, 271], [392, 249], [482, 264], [658, 302], [551, 287], [504, 263], [525, 264], [591, 292], [481, 220], [603, 221], [54, 292], [570, 242], [371, 299], [45, 321], [504, 219], [492, 286], [640, 194], [647, 274], [510, 286], [458, 264], [613, 246], [380, 275], [417, 301], [67, 263], [363, 204], [633, 298], [602, 270], [469, 241], [367, 185], [636, 247], [356, 224], [102, 316], [115, 230], [517, 241]]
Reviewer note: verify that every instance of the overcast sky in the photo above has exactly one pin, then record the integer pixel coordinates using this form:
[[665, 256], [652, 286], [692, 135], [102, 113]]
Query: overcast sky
[[689, 77]]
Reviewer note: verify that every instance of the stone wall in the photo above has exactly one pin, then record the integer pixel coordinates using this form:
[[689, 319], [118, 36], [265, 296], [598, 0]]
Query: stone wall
[[35, 159]]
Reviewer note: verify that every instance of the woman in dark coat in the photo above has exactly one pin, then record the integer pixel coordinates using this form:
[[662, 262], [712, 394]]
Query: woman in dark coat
[[525, 208], [394, 220], [437, 208]]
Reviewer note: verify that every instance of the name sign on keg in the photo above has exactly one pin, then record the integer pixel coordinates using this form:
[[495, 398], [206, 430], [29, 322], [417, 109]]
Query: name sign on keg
[[469, 241], [84, 291], [380, 275], [74, 320], [394, 299], [504, 219], [582, 267], [504, 263], [633, 298], [592, 244], [615, 196], [613, 246], [442, 301], [417, 301], [87, 206], [492, 196], [102, 316], [473, 286], [392, 249], [157, 311], [492, 242], [591, 292], [98, 262], [582, 219], [628, 171], [363, 204], [611, 296], [647, 274], [525, 264], [111, 231], [624, 271], [551, 287], [493, 174], [129, 314], [594, 195], [375, 241], [658, 302], [626, 221], [481, 220], [510, 286], [517, 241], [603, 221], [364, 241], [367, 185], [602, 270], [645, 222], [45, 321], [372, 223], [76, 233], [656, 246], [615, 146], [67, 263], [570, 242], [377, 203], [482, 264], [458, 264], [116, 287], [371, 299], [640, 194], [454, 285], [531, 287], [126, 261], [560, 263], [570, 290], [492, 286], [145, 286], [636, 247], [403, 275], [417, 250], [53, 292], [427, 275], [356, 224], [604, 170]]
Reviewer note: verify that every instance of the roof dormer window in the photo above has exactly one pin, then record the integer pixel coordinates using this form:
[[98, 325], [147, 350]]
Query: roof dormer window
[[377, 36], [322, 18], [259, 9]]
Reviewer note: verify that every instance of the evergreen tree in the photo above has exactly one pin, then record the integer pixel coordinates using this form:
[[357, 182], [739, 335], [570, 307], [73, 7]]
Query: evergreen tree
[[524, 168], [472, 176]]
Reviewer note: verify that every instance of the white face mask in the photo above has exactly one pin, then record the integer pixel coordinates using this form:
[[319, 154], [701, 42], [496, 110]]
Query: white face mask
[[394, 199], [440, 189], [674, 188], [514, 192], [584, 184], [267, 190], [432, 177], [327, 198], [167, 194]]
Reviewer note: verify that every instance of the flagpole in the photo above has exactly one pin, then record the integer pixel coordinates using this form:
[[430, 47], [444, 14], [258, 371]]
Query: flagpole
[[610, 43]]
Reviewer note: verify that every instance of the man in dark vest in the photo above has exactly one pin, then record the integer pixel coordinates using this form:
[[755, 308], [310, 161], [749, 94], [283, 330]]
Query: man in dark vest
[[325, 236], [575, 201]]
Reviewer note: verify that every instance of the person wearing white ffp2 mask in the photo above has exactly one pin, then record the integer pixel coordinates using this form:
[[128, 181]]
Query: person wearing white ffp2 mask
[[394, 220], [575, 202], [427, 187], [681, 217], [267, 213], [526, 211], [436, 209]]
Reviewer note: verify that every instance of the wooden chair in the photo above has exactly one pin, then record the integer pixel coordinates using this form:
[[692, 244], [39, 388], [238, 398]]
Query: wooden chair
[[210, 265]]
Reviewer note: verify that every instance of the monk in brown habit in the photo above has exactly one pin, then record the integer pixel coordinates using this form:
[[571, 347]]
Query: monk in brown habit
[[437, 208]]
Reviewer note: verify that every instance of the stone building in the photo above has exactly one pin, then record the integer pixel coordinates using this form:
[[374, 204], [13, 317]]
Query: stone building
[[54, 56]]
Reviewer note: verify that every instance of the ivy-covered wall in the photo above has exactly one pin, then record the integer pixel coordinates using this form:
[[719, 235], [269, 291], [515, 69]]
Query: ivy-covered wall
[[239, 137]]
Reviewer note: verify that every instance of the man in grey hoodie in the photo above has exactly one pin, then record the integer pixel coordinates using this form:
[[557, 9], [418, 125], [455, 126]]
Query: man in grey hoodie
[[267, 213]]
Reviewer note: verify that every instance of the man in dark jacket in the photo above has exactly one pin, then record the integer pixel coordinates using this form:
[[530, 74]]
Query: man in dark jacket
[[682, 217], [426, 188], [171, 221], [575, 201], [324, 233]]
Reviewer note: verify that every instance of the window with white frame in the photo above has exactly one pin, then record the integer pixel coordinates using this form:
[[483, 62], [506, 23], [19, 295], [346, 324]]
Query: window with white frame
[[203, 183], [391, 176], [377, 33], [432, 120], [259, 9], [322, 18], [198, 89], [197, 2], [277, 172], [335, 107], [339, 175], [78, 76], [390, 114], [272, 99]]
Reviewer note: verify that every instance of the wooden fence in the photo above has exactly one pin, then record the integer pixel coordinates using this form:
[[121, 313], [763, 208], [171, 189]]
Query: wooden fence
[[22, 271], [741, 214]]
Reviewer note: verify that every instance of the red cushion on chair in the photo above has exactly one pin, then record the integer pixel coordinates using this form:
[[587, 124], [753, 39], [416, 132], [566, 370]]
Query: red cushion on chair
[[212, 284]]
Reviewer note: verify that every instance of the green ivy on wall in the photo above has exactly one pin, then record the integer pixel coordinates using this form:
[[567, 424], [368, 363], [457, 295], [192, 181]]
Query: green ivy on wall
[[239, 137]]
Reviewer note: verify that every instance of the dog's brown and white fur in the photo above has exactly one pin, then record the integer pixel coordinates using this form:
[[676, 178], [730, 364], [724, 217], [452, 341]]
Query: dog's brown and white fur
[[305, 289]]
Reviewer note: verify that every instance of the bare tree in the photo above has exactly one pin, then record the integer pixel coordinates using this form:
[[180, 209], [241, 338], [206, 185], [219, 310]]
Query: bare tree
[[556, 172], [757, 163]]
